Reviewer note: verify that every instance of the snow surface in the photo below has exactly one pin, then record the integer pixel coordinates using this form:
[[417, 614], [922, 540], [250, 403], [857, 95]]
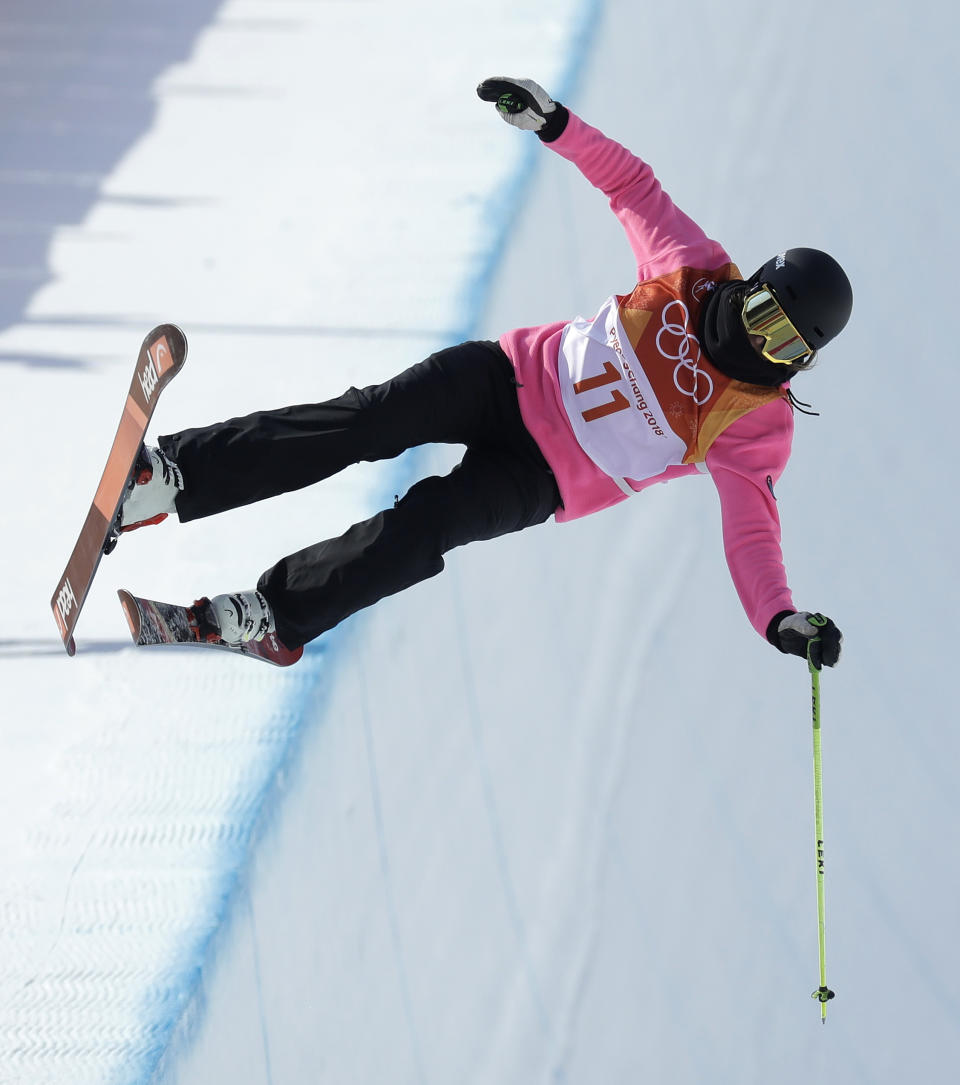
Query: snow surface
[[549, 816]]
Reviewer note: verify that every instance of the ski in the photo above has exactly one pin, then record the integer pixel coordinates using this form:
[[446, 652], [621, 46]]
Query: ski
[[154, 623], [161, 357]]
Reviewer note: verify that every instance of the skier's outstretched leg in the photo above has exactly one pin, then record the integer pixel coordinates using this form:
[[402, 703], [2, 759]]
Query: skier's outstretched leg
[[492, 492], [457, 396]]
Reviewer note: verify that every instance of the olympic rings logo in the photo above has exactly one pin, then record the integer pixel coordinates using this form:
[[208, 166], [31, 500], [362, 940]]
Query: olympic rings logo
[[682, 342]]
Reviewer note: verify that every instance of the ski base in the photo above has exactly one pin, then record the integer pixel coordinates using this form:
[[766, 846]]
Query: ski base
[[161, 357], [154, 623]]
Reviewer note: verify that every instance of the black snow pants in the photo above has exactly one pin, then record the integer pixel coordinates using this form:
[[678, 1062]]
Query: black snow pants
[[464, 395]]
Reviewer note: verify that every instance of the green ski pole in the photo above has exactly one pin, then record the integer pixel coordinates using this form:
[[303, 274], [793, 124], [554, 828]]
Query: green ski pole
[[823, 994]]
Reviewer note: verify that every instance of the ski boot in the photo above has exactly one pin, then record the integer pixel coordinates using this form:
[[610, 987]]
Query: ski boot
[[151, 494], [235, 619]]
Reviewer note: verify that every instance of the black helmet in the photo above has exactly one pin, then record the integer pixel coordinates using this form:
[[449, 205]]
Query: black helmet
[[813, 291]]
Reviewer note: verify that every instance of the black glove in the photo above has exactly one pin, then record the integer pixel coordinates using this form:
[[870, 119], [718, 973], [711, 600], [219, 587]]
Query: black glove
[[796, 633], [525, 104]]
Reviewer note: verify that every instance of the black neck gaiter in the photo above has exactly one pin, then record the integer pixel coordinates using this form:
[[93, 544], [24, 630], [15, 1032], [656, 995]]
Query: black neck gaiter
[[725, 341]]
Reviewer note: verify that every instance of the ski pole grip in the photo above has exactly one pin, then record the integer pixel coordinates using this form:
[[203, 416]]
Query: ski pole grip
[[819, 621]]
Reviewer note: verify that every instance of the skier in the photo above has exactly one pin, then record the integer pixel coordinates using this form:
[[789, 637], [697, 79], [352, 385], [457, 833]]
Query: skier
[[687, 373]]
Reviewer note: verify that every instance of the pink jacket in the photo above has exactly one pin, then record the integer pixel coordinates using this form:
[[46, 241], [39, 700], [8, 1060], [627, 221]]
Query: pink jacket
[[745, 461]]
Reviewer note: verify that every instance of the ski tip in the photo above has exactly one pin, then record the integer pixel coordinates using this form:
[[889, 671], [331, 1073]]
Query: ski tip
[[130, 611], [71, 646], [176, 341]]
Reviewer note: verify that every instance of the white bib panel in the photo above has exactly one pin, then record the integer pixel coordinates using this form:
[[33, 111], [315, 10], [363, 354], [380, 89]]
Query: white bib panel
[[610, 402]]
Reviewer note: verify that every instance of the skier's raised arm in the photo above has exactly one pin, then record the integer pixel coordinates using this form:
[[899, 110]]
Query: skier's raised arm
[[656, 228]]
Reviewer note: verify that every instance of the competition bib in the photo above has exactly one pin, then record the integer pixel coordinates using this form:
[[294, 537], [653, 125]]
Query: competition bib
[[611, 404]]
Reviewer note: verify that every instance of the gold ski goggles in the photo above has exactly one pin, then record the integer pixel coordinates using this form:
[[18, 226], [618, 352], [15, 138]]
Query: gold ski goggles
[[763, 316]]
